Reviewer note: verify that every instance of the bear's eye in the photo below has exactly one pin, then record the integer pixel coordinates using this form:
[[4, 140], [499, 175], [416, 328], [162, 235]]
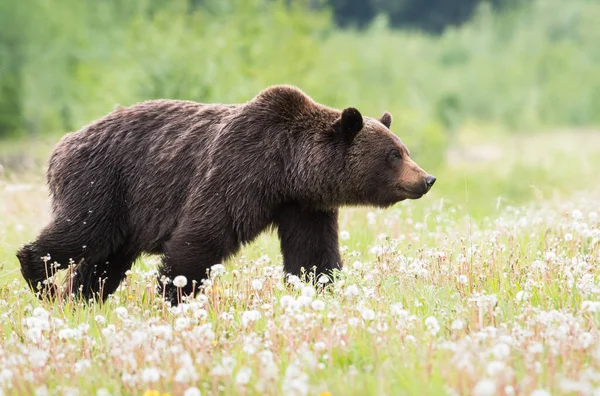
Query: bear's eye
[[396, 155]]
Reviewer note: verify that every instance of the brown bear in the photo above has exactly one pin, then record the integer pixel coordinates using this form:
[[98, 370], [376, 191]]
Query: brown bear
[[193, 182]]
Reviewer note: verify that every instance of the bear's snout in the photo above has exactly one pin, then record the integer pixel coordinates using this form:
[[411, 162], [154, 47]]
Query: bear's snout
[[429, 181]]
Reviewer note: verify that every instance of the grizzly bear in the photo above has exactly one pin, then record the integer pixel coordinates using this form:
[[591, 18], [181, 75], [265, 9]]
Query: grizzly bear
[[193, 182]]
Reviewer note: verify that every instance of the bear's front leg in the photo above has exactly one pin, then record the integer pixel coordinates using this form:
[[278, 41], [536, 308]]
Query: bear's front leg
[[309, 240]]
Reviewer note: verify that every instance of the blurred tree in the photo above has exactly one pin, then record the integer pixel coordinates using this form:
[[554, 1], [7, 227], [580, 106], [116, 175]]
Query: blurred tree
[[429, 15], [353, 12], [11, 58]]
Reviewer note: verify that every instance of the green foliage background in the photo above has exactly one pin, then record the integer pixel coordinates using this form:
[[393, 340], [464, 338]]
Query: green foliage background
[[64, 63]]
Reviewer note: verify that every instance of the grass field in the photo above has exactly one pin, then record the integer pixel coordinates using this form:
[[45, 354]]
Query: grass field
[[489, 285]]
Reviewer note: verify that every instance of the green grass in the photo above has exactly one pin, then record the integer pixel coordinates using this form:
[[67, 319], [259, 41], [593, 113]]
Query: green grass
[[519, 274]]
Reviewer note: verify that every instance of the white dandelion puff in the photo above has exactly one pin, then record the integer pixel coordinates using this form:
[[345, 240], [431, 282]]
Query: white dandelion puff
[[180, 281]]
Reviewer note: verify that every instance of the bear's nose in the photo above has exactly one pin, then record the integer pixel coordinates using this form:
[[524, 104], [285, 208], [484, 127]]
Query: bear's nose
[[429, 180]]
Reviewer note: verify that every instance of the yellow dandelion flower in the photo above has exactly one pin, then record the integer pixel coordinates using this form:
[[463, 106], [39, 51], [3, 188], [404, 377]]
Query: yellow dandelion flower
[[325, 394], [152, 392]]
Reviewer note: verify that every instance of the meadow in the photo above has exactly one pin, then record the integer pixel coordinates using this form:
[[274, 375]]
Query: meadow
[[442, 295], [488, 285]]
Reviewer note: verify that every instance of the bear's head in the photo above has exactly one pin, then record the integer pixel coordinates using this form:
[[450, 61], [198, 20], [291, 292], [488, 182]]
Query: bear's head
[[378, 169]]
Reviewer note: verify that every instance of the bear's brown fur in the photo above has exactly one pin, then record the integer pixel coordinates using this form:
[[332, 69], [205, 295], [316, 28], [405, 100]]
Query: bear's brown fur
[[194, 181]]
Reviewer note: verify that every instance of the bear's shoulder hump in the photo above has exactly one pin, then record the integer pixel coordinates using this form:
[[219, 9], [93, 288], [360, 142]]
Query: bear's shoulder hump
[[287, 96]]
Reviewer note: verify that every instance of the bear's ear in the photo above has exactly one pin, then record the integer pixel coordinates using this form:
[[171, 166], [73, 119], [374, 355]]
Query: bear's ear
[[350, 123], [386, 119]]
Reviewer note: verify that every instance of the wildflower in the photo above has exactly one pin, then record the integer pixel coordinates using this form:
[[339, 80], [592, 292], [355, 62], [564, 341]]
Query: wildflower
[[568, 237], [494, 368], [82, 365], [379, 250], [382, 326], [286, 301], [65, 334], [318, 305], [161, 331], [308, 291], [522, 296], [323, 279], [243, 376], [351, 290], [186, 374], [536, 348], [151, 392], [463, 280], [585, 340], [249, 317], [257, 284], [121, 312], [180, 281], [371, 218], [192, 391], [485, 388], [150, 375], [102, 392], [295, 382], [433, 325], [43, 391], [344, 235], [181, 323], [457, 325], [217, 270], [540, 392], [501, 351], [37, 358], [294, 280], [70, 391], [40, 312], [367, 314], [6, 377], [320, 346], [591, 306]]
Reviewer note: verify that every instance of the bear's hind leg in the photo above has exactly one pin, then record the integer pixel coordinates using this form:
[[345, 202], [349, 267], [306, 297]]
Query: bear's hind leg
[[309, 240], [99, 276], [57, 242]]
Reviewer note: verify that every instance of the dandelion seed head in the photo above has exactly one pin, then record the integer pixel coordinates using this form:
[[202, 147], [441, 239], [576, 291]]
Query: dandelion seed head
[[150, 375], [192, 391], [180, 281], [485, 387], [257, 284]]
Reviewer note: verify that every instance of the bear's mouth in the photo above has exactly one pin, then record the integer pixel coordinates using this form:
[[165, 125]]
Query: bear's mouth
[[410, 194]]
